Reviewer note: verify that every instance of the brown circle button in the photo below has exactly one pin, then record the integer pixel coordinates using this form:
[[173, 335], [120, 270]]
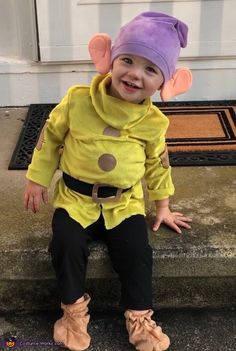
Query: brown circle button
[[107, 162], [110, 131]]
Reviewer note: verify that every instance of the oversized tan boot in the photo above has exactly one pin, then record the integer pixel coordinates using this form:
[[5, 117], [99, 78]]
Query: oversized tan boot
[[144, 334], [71, 329]]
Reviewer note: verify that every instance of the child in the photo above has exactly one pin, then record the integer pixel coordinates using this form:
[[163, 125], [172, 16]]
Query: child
[[112, 136]]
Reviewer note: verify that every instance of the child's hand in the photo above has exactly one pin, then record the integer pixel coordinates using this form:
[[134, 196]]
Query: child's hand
[[33, 196], [174, 220]]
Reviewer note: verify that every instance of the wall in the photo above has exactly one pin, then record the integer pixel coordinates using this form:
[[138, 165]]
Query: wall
[[64, 27], [18, 38]]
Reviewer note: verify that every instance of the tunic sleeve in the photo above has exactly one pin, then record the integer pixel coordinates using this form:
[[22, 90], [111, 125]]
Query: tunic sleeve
[[46, 154], [158, 170]]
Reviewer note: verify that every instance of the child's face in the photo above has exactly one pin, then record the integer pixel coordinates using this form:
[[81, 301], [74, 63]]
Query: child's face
[[134, 78]]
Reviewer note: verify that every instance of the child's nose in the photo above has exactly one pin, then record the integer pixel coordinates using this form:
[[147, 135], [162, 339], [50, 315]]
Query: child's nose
[[136, 72]]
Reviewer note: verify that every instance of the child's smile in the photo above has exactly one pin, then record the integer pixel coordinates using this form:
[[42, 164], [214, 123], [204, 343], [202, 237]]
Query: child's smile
[[129, 86]]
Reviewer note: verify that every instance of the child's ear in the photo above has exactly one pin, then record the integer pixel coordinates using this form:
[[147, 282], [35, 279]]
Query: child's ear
[[178, 84], [100, 51]]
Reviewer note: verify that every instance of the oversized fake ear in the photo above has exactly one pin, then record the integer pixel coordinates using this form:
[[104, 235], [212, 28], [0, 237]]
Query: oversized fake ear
[[178, 84], [100, 51]]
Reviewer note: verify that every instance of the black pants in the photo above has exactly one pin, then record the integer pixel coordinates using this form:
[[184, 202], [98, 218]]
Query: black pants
[[128, 247]]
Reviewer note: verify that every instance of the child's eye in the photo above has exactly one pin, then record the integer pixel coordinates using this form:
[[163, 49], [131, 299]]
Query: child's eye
[[151, 69], [127, 60]]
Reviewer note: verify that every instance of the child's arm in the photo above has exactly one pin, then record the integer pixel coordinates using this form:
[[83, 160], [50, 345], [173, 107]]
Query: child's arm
[[34, 195], [174, 220], [46, 156]]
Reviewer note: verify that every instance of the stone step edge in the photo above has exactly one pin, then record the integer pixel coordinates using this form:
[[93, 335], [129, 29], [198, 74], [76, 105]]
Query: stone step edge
[[170, 262]]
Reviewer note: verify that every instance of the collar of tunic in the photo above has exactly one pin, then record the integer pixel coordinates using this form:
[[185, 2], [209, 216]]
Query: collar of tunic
[[115, 112]]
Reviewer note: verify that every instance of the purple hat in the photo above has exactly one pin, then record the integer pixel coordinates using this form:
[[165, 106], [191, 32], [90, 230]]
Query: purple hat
[[155, 36]]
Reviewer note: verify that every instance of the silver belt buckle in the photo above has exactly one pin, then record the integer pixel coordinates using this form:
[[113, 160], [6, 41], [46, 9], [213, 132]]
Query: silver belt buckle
[[105, 199]]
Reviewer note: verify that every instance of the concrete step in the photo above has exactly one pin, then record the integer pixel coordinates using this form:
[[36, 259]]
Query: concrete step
[[194, 269], [189, 330]]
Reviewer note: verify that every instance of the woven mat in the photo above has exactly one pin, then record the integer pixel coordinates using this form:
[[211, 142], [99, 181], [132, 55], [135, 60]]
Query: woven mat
[[200, 133]]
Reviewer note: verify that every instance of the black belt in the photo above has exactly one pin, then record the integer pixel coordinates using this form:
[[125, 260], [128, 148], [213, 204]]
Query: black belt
[[99, 192]]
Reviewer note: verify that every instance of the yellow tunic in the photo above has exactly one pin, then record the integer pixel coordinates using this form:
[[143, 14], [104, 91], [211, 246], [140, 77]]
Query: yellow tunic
[[91, 124]]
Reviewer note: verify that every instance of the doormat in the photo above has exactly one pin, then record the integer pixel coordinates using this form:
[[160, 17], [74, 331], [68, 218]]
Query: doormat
[[200, 133]]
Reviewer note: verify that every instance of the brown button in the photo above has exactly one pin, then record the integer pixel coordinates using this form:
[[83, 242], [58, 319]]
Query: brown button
[[111, 132], [107, 162]]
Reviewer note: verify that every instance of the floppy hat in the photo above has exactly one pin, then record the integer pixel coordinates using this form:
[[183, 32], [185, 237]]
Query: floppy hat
[[155, 36]]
